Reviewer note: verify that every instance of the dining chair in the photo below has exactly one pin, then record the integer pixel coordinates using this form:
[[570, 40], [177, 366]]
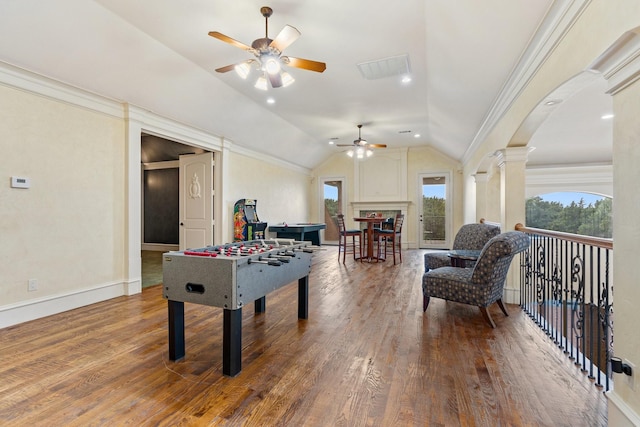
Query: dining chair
[[343, 244], [393, 237]]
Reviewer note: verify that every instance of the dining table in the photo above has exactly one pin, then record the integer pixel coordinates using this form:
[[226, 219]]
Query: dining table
[[370, 222]]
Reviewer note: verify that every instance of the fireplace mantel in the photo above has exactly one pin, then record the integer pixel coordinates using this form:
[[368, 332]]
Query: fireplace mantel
[[398, 205]]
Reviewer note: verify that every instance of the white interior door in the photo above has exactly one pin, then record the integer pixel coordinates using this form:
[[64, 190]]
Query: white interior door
[[196, 200]]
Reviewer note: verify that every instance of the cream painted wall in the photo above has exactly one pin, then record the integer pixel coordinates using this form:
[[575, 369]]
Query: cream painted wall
[[419, 160], [282, 194], [67, 230], [626, 229], [338, 165]]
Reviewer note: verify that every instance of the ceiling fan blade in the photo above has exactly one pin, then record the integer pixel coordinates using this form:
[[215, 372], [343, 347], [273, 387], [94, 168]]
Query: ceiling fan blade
[[232, 66], [377, 145], [226, 68], [229, 40], [305, 64], [346, 145], [287, 36], [275, 79]]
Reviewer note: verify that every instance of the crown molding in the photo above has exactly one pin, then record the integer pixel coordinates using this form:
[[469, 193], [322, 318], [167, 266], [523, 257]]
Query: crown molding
[[19, 78], [560, 18], [620, 63]]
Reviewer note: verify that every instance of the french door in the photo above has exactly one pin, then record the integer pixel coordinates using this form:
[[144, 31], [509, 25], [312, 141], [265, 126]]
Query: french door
[[435, 210], [332, 203]]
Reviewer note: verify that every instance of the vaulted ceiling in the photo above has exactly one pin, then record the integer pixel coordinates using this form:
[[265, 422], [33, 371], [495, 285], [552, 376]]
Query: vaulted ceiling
[[157, 55]]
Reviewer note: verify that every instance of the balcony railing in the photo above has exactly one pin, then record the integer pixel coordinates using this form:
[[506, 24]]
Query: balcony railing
[[566, 288]]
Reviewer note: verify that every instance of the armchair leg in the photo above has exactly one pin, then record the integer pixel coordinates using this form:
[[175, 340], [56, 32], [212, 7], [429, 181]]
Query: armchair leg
[[487, 316], [425, 303], [502, 307]]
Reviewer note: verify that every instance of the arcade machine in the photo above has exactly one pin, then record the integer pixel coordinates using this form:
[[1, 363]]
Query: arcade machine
[[246, 225]]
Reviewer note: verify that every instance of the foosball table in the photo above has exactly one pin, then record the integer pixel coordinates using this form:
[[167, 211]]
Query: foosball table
[[229, 276]]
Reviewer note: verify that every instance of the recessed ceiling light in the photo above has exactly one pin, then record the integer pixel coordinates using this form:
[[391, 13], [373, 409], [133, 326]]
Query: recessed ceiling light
[[406, 79], [271, 101], [417, 135], [607, 116]]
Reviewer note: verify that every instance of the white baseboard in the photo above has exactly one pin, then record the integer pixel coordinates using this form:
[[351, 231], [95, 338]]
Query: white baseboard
[[619, 413], [161, 247], [25, 311], [511, 296]]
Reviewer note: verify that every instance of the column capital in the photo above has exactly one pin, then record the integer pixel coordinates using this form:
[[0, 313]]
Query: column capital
[[620, 63], [482, 177], [513, 154]]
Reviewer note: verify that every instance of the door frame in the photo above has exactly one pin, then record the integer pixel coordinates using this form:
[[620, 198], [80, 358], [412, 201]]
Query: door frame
[[448, 212], [343, 206], [137, 122]]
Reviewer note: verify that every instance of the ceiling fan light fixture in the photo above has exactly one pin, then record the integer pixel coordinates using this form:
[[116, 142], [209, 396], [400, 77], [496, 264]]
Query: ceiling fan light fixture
[[287, 79], [271, 64], [261, 83], [369, 153], [350, 153], [243, 70]]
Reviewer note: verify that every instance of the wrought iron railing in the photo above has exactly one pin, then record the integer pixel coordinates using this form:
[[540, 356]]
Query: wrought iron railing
[[566, 288]]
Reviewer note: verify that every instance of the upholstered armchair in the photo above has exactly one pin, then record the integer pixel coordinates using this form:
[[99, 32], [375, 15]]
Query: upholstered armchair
[[482, 285], [469, 237]]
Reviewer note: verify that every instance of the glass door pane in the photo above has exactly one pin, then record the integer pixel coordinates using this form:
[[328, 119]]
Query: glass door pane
[[333, 199], [434, 212]]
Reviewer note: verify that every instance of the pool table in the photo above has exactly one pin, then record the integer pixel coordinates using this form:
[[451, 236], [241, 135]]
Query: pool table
[[302, 232]]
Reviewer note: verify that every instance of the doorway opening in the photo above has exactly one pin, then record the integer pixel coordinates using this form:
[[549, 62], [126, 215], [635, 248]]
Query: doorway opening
[[435, 213], [160, 195], [332, 204]]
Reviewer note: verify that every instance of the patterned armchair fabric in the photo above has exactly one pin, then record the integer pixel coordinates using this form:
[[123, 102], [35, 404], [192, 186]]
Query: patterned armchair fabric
[[469, 237], [483, 285]]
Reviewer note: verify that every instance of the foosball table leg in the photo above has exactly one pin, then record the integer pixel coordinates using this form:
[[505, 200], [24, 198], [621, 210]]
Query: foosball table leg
[[260, 305], [176, 330], [303, 297], [232, 342]]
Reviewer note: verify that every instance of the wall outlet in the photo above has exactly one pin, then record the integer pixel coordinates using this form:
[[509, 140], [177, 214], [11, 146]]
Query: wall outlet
[[630, 379], [33, 285]]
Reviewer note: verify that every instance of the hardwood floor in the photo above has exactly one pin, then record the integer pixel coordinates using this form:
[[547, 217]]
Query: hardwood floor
[[367, 356]]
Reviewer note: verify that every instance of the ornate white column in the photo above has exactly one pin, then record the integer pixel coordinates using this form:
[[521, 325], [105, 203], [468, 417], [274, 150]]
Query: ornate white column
[[620, 65], [481, 179], [512, 162]]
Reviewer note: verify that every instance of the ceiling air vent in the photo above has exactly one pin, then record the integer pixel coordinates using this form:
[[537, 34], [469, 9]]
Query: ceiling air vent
[[387, 67]]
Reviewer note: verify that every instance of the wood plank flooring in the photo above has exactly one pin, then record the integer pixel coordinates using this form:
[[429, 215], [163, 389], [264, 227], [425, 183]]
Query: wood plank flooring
[[367, 356]]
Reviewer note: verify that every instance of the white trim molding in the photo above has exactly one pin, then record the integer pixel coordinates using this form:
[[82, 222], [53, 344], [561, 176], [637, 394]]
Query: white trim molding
[[620, 414], [620, 64], [25, 311], [588, 179], [559, 20]]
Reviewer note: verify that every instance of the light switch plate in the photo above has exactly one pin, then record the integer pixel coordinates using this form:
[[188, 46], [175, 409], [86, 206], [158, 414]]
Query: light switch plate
[[20, 182]]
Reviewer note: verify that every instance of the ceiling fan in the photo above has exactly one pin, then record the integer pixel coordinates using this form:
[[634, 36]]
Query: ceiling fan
[[268, 53], [361, 147], [362, 142]]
